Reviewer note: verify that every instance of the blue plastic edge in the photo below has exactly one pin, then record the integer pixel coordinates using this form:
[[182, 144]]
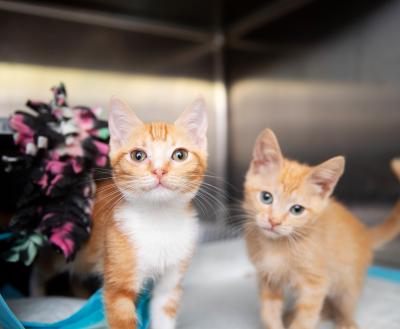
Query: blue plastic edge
[[6, 235], [385, 273], [7, 318]]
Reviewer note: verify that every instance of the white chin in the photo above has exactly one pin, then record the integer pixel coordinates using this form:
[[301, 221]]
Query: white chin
[[160, 194], [272, 234]]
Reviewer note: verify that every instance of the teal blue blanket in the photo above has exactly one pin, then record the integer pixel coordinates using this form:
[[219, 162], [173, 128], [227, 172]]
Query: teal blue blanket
[[90, 316]]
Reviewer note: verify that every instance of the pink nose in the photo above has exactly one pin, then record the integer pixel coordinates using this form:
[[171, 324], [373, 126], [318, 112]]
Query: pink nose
[[159, 172], [274, 223]]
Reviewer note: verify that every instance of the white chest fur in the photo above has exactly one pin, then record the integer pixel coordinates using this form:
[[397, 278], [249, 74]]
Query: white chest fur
[[271, 263], [161, 236]]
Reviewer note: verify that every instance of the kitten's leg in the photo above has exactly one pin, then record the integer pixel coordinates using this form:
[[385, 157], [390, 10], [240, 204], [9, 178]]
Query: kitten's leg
[[271, 305], [166, 297], [120, 307], [310, 299], [121, 282], [344, 307]]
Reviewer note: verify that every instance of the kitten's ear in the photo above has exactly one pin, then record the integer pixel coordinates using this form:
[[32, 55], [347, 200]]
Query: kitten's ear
[[194, 120], [267, 153], [395, 164], [121, 121], [326, 175]]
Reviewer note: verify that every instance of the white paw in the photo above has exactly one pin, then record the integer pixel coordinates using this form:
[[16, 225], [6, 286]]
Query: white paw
[[161, 316]]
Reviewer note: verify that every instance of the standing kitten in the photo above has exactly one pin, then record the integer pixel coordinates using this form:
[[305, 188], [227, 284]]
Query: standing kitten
[[144, 225], [303, 241]]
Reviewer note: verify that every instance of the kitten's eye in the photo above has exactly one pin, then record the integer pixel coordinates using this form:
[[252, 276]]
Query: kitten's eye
[[266, 197], [138, 155], [297, 210], [180, 155]]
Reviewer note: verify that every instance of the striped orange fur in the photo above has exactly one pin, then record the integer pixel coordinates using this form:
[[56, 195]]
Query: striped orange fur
[[131, 240]]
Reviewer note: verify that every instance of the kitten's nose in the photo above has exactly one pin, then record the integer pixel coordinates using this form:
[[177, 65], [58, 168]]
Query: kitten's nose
[[159, 172], [274, 222]]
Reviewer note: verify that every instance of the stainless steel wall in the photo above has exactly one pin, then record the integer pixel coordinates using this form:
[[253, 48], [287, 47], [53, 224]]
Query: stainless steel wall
[[339, 96]]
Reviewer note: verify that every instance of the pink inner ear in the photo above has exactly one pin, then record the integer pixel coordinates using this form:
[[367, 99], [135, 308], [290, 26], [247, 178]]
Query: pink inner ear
[[267, 154], [324, 185], [325, 180], [266, 158], [122, 120], [194, 120], [267, 161], [326, 175]]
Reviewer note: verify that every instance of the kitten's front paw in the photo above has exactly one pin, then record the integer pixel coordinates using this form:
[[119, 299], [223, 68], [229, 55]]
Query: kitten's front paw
[[162, 323], [346, 324], [350, 326], [163, 315], [274, 327], [300, 326]]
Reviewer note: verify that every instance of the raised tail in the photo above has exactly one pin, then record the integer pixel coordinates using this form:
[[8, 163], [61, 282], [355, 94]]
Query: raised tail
[[390, 228]]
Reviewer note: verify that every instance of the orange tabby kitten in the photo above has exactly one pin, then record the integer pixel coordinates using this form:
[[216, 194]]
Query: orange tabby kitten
[[303, 241], [143, 223]]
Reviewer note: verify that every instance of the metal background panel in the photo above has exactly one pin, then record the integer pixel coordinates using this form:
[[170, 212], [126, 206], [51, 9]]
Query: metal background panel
[[340, 95], [324, 74]]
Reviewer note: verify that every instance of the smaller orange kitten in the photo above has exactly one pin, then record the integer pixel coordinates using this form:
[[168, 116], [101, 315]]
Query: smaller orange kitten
[[304, 242]]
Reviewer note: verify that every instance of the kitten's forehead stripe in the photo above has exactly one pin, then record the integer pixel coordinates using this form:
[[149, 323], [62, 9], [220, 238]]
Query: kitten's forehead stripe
[[158, 130], [292, 176]]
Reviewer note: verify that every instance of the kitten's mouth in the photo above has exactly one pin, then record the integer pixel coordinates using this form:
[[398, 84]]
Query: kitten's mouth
[[160, 186], [270, 231]]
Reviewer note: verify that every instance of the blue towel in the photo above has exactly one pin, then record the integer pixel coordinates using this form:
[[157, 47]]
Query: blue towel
[[90, 316]]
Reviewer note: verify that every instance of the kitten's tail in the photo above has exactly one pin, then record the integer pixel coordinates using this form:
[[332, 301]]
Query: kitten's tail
[[390, 228]]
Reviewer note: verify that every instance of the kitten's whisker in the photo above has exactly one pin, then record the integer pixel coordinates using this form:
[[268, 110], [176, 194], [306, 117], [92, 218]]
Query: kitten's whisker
[[201, 206]]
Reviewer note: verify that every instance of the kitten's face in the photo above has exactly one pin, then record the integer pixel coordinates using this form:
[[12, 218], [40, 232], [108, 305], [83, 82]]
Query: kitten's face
[[283, 197], [158, 162]]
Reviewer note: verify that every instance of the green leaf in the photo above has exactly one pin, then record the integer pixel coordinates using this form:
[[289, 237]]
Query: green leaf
[[12, 257], [37, 239]]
